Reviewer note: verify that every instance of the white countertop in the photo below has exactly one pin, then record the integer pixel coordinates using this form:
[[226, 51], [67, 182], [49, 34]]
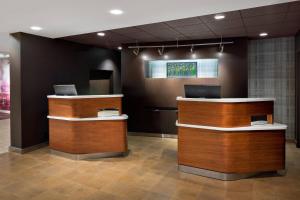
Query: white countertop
[[226, 100], [264, 127], [84, 96], [121, 117]]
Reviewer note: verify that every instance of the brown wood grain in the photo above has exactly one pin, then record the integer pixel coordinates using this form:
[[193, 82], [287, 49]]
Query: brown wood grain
[[270, 119], [81, 108], [82, 137], [231, 152], [222, 114]]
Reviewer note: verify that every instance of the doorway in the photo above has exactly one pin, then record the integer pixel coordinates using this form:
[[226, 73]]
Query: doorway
[[101, 82], [4, 102]]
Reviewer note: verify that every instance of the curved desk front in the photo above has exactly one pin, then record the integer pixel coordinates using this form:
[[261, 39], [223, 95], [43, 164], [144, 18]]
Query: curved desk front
[[216, 139], [76, 132]]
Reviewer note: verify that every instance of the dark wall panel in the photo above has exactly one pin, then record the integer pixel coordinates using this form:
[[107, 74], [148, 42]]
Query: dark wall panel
[[98, 59], [43, 63], [143, 95], [297, 57]]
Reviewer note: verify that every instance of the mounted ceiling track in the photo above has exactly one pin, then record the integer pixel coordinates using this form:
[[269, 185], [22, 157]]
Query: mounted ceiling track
[[180, 45]]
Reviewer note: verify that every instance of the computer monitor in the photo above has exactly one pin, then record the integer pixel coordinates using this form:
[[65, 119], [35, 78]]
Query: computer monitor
[[65, 90], [202, 91]]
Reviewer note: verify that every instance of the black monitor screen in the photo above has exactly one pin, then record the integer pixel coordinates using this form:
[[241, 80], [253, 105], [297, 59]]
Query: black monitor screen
[[202, 91], [65, 90]]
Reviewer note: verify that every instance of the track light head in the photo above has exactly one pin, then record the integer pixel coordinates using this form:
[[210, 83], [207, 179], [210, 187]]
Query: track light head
[[136, 51], [221, 49], [192, 49], [160, 51]]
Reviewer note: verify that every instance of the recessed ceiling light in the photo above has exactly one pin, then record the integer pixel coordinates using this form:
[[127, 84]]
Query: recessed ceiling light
[[116, 12], [101, 34], [219, 16], [36, 28], [120, 48], [166, 56], [264, 34]]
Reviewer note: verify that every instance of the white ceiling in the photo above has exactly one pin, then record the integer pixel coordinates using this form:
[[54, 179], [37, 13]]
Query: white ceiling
[[61, 18]]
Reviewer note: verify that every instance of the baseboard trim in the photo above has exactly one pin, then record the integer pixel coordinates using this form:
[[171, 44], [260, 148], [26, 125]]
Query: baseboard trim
[[27, 149], [214, 174], [290, 141], [89, 156], [160, 135]]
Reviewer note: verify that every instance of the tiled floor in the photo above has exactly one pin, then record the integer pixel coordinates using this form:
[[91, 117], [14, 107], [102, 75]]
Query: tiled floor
[[4, 135], [149, 172]]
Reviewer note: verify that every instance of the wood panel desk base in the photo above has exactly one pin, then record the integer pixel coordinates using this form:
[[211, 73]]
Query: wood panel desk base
[[88, 156], [217, 138], [231, 152], [88, 138], [230, 155], [76, 131]]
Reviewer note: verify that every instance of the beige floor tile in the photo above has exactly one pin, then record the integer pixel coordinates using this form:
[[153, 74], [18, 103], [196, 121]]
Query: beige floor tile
[[149, 172], [4, 135]]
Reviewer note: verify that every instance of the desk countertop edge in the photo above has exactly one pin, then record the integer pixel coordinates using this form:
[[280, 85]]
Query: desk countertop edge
[[113, 118], [275, 126], [84, 96], [226, 100]]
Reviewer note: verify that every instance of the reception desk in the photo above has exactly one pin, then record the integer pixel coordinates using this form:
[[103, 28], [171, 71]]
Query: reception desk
[[76, 132], [216, 138]]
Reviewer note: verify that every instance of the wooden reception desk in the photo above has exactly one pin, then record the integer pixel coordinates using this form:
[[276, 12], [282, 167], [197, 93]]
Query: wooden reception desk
[[75, 131], [216, 139]]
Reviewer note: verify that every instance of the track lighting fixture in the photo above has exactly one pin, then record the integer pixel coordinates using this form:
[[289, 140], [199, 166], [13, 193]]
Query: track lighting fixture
[[192, 48], [221, 47], [161, 51], [136, 51], [162, 47]]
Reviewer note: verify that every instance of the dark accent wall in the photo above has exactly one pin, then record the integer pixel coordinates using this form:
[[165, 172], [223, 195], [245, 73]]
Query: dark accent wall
[[40, 63], [100, 60], [297, 56], [144, 98]]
